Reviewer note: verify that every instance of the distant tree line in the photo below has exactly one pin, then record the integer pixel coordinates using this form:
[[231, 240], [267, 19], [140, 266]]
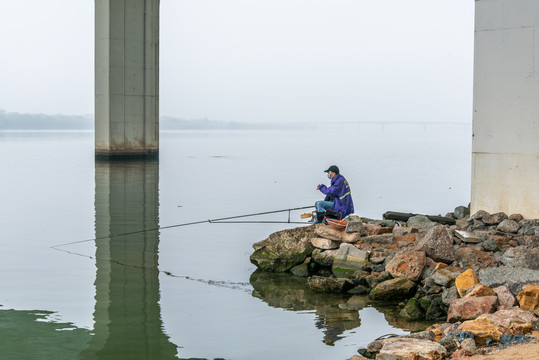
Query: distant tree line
[[16, 121]]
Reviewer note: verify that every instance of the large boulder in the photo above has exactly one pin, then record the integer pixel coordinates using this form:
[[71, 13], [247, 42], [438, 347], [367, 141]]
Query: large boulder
[[411, 349], [283, 250], [438, 245], [393, 289], [512, 277], [409, 265], [528, 299], [471, 308], [421, 223]]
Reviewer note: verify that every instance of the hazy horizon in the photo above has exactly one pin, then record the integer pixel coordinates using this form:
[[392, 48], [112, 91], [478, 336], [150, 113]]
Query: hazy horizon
[[259, 62]]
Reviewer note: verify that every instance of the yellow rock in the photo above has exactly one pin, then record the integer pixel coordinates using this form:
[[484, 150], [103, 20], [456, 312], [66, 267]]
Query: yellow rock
[[466, 280], [528, 299], [483, 329]]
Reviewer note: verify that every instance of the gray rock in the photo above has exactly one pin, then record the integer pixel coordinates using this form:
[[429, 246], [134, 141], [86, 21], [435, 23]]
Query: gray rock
[[495, 219], [477, 225], [521, 256], [444, 277], [388, 223], [468, 344], [509, 226], [449, 294], [461, 212], [479, 215], [490, 245], [301, 270], [527, 227], [450, 343], [505, 298], [421, 222], [350, 252], [324, 257], [356, 227], [438, 245], [514, 278], [378, 267]]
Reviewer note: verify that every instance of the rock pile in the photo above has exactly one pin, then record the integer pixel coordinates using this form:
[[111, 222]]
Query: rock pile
[[481, 276]]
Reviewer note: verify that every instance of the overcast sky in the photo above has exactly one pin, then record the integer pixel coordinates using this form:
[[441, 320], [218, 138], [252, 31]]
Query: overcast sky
[[258, 60]]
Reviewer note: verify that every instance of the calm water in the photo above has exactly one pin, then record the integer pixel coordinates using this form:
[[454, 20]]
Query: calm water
[[191, 292]]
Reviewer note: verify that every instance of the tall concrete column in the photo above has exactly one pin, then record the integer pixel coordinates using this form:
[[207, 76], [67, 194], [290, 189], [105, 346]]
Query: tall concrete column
[[126, 77], [505, 159]]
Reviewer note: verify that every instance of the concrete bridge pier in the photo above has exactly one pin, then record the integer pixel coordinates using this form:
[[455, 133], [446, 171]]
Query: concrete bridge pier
[[126, 78], [505, 159]]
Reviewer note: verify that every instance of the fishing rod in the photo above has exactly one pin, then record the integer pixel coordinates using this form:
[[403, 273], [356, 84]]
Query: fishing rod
[[224, 220]]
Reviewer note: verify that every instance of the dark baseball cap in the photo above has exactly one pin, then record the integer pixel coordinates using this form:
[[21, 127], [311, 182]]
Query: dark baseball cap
[[333, 168]]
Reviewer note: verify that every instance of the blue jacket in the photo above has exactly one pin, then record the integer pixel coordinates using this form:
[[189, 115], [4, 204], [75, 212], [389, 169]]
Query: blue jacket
[[340, 190]]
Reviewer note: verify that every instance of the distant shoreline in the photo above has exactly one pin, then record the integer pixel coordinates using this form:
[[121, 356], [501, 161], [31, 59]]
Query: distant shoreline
[[18, 121]]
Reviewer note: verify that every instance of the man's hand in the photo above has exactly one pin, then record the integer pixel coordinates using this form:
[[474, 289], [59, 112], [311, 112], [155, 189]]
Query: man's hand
[[318, 187]]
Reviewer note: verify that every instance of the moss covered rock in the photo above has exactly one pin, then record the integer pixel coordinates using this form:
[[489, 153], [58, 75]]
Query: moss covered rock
[[283, 250]]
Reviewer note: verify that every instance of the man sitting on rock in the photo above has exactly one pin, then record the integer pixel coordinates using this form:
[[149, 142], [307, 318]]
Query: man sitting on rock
[[339, 190]]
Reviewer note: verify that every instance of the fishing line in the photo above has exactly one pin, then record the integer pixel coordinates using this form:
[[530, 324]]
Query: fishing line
[[211, 221], [219, 283], [225, 220]]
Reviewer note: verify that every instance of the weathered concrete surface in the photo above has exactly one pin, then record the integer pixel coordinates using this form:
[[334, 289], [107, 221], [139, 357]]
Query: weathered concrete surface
[[126, 77], [505, 151]]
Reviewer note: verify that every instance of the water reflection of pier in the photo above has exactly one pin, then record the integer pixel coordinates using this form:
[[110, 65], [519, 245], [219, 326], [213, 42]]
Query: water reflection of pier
[[127, 316]]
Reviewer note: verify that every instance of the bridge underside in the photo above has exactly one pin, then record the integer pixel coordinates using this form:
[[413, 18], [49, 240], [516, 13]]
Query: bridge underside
[[126, 77], [505, 174]]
